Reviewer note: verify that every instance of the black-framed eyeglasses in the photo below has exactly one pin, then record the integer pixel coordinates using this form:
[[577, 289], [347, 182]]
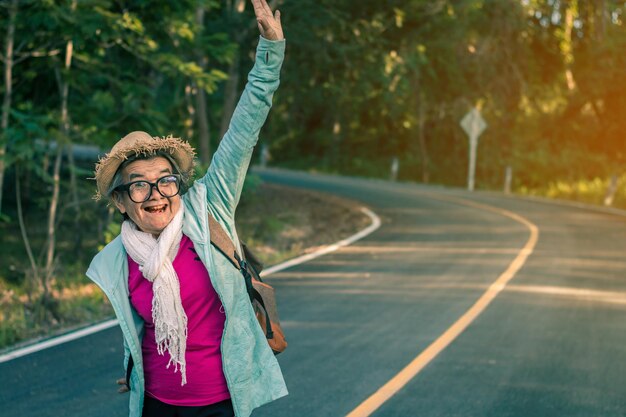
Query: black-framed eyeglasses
[[140, 191]]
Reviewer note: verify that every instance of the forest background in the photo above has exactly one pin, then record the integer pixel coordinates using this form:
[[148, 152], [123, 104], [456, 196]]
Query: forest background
[[364, 82]]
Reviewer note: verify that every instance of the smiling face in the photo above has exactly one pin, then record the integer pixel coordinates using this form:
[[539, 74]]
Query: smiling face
[[153, 215]]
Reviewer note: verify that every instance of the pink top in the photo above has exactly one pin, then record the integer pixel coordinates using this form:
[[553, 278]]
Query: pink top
[[206, 383]]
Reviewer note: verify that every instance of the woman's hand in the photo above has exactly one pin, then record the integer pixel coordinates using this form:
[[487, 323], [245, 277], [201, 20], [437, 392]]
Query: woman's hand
[[124, 387], [269, 24]]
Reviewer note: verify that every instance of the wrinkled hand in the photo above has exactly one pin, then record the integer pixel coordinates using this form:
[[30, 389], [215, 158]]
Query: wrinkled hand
[[269, 24], [123, 389]]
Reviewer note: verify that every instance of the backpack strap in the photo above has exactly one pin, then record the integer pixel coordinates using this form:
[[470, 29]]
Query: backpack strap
[[222, 242]]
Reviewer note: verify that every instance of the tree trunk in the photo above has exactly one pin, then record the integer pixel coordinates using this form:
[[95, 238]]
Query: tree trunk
[[204, 136], [335, 144], [56, 174], [231, 91], [602, 17], [54, 202], [65, 131], [422, 140], [78, 235], [571, 11], [34, 279], [421, 121], [8, 90]]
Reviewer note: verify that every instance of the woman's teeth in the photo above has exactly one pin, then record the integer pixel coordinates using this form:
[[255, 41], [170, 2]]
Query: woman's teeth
[[156, 209]]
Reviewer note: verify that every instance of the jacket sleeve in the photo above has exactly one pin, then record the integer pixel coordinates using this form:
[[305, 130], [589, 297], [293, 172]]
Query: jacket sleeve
[[225, 176]]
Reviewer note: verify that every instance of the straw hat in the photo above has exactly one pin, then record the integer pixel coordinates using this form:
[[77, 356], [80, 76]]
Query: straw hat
[[141, 143]]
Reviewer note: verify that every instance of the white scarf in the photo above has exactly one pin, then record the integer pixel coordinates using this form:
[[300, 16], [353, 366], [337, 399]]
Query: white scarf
[[155, 257]]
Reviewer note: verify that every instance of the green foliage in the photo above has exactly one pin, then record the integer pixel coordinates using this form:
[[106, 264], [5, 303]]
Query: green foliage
[[13, 324], [591, 191], [251, 184], [358, 75], [78, 304], [84, 306], [111, 232]]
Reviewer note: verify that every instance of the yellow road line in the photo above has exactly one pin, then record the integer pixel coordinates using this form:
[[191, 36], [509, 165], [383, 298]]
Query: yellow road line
[[395, 384]]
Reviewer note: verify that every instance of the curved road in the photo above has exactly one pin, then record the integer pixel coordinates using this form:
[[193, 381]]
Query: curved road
[[551, 342]]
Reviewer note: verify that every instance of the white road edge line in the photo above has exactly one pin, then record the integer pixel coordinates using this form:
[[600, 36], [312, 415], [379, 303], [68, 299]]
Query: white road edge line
[[395, 384], [111, 323], [57, 340], [330, 248]]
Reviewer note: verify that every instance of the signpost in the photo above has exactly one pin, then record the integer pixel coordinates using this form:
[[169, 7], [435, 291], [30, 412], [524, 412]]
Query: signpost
[[395, 165], [474, 125]]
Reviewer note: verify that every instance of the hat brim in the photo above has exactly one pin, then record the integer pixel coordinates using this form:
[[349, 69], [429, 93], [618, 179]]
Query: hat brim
[[179, 150]]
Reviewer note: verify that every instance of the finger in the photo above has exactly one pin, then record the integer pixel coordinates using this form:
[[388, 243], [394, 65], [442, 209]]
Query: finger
[[259, 10], [277, 17], [267, 8], [124, 388], [262, 5]]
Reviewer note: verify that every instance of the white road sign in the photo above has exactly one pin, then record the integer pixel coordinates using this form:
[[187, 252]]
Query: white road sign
[[474, 125]]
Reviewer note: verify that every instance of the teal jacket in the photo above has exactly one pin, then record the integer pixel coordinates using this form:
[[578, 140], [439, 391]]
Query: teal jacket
[[252, 372]]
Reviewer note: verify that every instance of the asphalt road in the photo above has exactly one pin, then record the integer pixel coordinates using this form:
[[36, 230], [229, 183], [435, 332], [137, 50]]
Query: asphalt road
[[551, 343]]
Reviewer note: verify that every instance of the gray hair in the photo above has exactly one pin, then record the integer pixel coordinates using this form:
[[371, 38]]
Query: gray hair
[[119, 180]]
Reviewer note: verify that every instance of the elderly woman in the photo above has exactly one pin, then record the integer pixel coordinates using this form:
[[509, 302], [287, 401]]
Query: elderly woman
[[192, 343]]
